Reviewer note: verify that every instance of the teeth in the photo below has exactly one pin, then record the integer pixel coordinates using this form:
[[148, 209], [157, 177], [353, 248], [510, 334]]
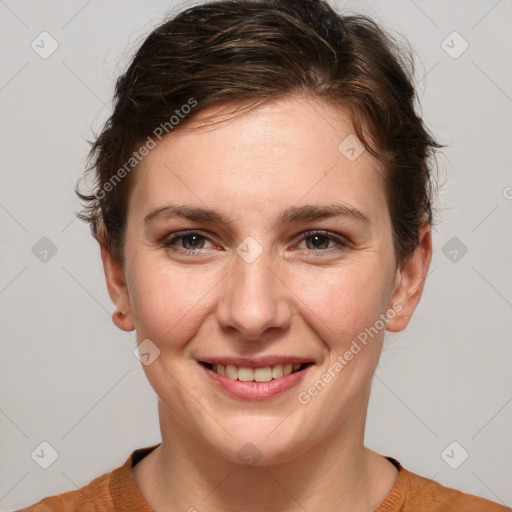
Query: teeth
[[231, 371], [245, 374], [264, 374], [277, 371]]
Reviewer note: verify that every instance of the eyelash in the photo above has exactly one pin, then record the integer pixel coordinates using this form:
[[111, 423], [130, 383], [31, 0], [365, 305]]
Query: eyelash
[[169, 243]]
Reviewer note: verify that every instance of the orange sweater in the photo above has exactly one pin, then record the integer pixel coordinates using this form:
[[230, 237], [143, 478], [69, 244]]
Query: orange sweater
[[118, 492]]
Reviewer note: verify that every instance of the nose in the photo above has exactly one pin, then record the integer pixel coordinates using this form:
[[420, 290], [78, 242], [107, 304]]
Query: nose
[[255, 300]]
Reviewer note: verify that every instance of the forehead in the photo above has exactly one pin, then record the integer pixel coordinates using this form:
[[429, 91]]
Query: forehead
[[280, 153]]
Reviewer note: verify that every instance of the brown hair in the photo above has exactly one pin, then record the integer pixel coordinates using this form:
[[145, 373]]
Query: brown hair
[[251, 51]]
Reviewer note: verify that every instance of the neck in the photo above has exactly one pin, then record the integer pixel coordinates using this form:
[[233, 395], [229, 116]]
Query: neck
[[338, 474]]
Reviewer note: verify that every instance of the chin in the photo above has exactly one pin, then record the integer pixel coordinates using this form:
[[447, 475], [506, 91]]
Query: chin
[[262, 442]]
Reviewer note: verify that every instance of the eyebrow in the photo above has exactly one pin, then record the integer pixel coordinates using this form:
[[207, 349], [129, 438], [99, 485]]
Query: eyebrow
[[289, 216]]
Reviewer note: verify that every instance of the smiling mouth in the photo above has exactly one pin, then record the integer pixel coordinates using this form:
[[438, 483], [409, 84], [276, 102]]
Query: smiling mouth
[[261, 374]]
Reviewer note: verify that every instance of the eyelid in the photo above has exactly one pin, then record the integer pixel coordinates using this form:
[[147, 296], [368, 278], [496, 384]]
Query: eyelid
[[168, 240], [342, 241]]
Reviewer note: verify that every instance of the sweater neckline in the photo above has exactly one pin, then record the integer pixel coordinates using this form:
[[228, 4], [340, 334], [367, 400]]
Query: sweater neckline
[[126, 495]]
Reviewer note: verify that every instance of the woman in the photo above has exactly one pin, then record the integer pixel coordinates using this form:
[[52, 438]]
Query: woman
[[263, 207]]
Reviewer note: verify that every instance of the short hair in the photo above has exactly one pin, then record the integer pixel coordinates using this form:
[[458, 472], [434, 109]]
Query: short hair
[[248, 52]]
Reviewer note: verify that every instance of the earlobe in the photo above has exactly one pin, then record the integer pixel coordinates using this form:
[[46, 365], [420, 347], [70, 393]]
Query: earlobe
[[410, 281], [116, 284], [123, 321]]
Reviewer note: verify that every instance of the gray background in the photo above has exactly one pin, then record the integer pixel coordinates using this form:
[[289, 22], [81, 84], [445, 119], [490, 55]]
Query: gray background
[[69, 376]]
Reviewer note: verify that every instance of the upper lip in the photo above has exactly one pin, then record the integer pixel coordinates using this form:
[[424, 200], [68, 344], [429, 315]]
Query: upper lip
[[254, 362]]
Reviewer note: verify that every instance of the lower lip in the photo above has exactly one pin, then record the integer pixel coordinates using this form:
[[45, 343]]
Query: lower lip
[[255, 390]]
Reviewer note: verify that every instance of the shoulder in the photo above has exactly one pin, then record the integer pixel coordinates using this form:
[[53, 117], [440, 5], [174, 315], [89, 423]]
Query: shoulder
[[85, 499], [109, 492], [425, 494]]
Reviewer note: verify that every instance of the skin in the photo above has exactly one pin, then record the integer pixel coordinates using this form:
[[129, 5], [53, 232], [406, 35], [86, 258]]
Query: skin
[[290, 301]]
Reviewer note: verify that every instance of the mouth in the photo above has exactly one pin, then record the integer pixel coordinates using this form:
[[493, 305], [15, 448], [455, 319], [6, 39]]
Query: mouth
[[255, 374]]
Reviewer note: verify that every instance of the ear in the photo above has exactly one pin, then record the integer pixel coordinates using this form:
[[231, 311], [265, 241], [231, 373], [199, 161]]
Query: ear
[[409, 281], [116, 284]]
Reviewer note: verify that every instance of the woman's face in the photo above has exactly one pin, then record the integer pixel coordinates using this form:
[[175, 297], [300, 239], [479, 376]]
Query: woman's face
[[261, 279]]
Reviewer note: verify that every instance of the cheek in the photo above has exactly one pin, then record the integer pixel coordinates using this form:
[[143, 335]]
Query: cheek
[[166, 300], [347, 300]]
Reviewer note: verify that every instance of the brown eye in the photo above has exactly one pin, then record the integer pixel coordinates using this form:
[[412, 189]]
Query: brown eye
[[317, 242], [186, 242], [322, 241], [194, 241]]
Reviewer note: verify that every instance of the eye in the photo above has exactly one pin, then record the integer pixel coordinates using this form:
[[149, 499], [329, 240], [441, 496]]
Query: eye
[[320, 240], [193, 242], [190, 241]]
